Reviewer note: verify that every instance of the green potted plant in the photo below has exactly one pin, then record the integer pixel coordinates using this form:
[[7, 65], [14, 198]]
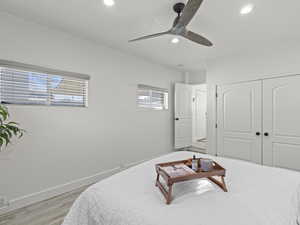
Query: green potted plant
[[8, 129]]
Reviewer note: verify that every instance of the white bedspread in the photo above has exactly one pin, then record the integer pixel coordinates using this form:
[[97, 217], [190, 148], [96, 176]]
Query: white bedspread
[[258, 195]]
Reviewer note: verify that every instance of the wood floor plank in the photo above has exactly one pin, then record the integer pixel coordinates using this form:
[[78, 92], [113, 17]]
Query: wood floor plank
[[48, 212]]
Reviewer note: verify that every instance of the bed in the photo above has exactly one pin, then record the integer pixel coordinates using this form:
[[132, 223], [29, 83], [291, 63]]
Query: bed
[[258, 195]]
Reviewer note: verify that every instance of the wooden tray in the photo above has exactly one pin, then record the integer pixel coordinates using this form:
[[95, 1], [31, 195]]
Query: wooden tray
[[217, 170]]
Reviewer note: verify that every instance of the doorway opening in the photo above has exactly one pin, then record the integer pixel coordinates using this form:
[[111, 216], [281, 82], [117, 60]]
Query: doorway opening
[[199, 117], [190, 119]]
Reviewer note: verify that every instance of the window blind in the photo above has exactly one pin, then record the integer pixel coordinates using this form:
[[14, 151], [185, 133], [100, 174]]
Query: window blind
[[37, 88], [152, 97]]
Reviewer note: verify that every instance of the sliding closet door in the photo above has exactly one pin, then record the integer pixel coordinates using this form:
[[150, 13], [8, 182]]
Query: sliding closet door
[[239, 121], [281, 114]]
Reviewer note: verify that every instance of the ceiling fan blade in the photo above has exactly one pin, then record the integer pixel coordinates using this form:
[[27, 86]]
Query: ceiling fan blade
[[196, 38], [150, 36], [188, 13]]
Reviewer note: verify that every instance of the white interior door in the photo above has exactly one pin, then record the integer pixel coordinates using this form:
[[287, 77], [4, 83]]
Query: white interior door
[[239, 121], [183, 115], [281, 115]]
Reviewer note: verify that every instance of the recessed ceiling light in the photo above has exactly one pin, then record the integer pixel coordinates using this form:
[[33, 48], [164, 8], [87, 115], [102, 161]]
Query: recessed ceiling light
[[109, 2], [175, 40], [247, 9]]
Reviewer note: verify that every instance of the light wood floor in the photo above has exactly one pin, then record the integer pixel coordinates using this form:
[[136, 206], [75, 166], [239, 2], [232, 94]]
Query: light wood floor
[[48, 212]]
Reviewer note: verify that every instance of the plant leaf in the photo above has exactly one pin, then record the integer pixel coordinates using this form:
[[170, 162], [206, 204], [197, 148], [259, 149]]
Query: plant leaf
[[4, 112], [8, 130], [1, 143], [13, 123], [5, 138]]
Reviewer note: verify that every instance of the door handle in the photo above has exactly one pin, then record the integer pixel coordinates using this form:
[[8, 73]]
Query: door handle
[[266, 134], [257, 133], [176, 118]]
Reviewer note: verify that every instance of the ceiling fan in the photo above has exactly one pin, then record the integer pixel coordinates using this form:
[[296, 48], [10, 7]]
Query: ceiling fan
[[185, 15]]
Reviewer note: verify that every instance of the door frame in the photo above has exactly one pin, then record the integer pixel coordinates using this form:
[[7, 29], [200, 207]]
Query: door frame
[[213, 144]]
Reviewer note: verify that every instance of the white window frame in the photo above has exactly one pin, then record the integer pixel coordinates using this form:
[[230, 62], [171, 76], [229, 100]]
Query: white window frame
[[151, 90], [49, 74]]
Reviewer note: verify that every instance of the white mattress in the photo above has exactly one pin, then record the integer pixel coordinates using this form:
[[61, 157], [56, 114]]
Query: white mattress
[[258, 195]]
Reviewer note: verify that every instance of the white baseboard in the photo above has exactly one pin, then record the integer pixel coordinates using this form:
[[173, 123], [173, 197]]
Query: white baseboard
[[55, 191], [197, 149], [64, 188]]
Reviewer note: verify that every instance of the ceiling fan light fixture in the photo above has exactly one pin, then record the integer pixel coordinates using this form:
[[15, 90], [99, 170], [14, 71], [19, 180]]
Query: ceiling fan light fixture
[[175, 40], [109, 2], [247, 9], [185, 13]]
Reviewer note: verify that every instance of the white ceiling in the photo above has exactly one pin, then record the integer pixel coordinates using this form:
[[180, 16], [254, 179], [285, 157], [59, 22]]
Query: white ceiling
[[271, 22]]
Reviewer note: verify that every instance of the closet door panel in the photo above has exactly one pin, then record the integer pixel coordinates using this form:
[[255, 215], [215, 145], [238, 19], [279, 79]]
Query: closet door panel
[[239, 121], [281, 122]]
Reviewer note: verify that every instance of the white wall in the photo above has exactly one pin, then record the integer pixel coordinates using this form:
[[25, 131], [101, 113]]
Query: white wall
[[277, 60], [198, 77], [63, 144]]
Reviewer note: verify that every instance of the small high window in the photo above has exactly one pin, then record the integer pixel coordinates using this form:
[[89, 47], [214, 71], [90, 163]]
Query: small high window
[[22, 86], [152, 97]]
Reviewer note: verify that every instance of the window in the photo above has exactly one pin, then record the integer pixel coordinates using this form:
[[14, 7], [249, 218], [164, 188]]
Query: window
[[19, 86], [152, 97]]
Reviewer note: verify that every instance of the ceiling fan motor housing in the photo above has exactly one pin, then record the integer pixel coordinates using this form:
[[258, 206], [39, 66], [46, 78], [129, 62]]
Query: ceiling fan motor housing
[[178, 7]]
